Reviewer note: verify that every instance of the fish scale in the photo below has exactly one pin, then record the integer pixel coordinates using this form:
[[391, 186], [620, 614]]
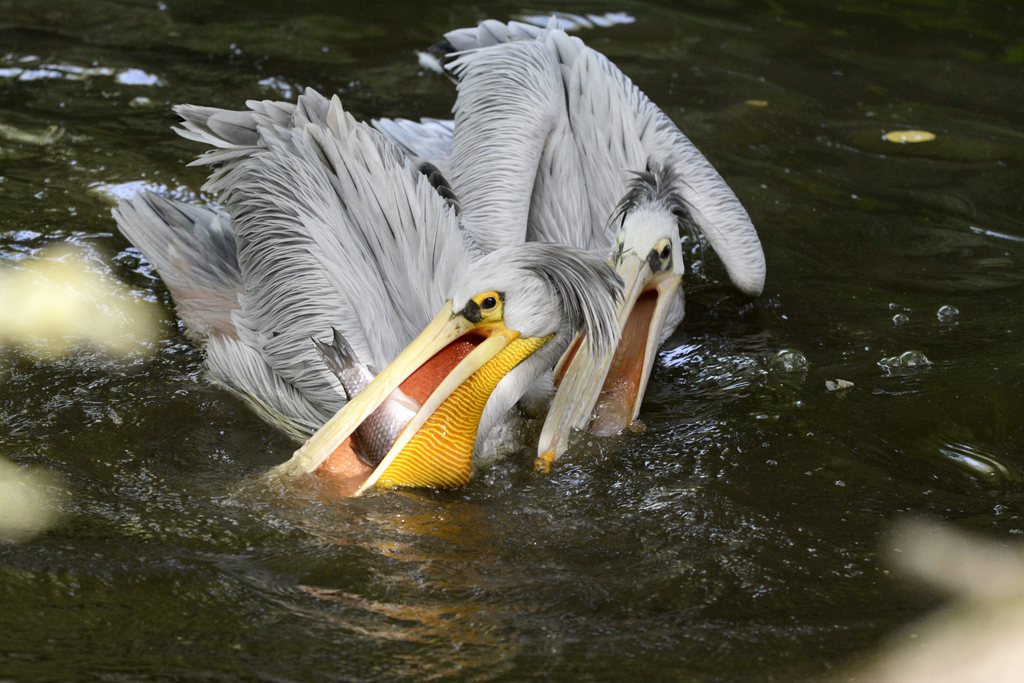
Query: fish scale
[[374, 437]]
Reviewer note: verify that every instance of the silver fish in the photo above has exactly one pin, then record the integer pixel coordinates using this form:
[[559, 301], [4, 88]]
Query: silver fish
[[374, 437]]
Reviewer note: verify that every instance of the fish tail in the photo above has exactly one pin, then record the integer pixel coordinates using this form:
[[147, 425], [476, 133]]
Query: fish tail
[[339, 357]]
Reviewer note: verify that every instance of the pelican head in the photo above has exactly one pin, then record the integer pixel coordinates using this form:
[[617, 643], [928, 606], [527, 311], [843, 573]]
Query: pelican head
[[604, 391], [507, 320]]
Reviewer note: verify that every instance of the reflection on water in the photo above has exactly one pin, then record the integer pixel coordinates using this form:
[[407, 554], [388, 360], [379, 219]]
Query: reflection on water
[[737, 538], [998, 235], [28, 69], [987, 468]]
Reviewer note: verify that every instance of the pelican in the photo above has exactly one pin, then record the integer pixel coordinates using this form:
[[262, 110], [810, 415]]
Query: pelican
[[551, 142], [325, 225]]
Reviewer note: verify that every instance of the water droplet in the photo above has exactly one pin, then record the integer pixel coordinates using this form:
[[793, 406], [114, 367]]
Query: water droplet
[[948, 314], [900, 319], [788, 360]]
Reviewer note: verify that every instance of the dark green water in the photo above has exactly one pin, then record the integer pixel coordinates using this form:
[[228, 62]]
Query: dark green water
[[740, 538]]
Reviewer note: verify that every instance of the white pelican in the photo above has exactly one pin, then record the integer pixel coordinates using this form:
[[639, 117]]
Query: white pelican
[[327, 224], [551, 142]]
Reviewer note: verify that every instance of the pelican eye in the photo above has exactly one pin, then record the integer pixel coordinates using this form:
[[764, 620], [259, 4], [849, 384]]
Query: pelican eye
[[485, 307], [666, 251]]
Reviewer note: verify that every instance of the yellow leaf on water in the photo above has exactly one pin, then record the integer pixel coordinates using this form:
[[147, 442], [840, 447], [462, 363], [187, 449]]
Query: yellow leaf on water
[[904, 136], [756, 103]]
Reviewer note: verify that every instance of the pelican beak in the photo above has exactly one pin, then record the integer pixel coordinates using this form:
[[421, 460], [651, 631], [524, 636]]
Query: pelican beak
[[604, 393], [451, 368]]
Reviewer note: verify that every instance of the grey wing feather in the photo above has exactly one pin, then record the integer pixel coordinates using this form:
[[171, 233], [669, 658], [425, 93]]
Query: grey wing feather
[[232, 133], [551, 127], [629, 127], [193, 250], [504, 120], [333, 227], [241, 368], [427, 139], [491, 32]]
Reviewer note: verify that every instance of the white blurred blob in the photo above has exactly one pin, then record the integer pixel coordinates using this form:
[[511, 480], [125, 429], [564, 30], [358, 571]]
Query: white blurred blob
[[429, 62], [28, 501], [117, 191], [979, 637], [137, 77], [58, 302]]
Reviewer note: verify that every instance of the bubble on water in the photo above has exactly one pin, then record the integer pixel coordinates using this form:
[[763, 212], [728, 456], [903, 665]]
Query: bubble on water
[[947, 314], [900, 319], [907, 359], [788, 360], [911, 359]]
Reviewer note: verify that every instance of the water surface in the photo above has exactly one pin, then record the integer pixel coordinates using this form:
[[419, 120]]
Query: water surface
[[739, 538]]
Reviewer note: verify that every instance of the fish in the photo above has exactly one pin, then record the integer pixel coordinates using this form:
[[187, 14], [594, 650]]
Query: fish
[[373, 438]]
